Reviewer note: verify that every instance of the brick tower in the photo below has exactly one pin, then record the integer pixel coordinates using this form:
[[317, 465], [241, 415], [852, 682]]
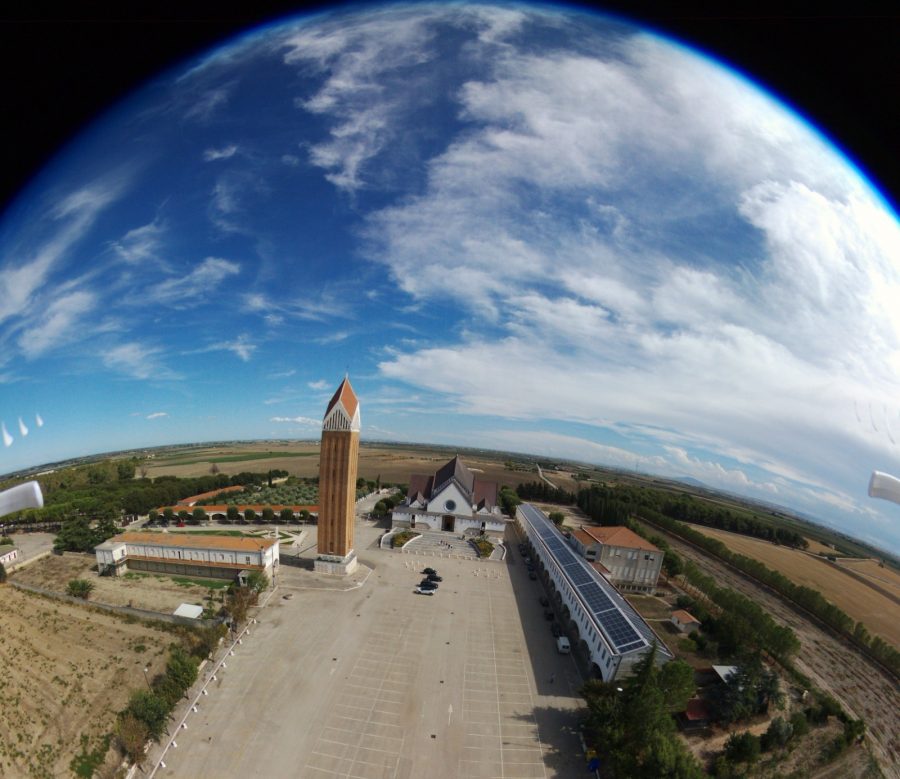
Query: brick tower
[[338, 456]]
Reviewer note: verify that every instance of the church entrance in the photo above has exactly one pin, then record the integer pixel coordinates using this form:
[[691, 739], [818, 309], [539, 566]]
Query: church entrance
[[447, 522]]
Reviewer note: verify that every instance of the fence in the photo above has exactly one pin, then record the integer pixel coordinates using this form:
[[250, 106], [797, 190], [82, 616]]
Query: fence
[[129, 611]]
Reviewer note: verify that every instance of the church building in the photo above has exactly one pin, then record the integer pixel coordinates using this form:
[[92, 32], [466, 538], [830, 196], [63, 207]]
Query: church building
[[338, 460], [453, 499]]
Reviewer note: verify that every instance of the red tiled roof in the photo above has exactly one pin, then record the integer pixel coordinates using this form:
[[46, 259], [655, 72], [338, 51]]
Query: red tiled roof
[[195, 540], [684, 617], [347, 396], [617, 535], [696, 709]]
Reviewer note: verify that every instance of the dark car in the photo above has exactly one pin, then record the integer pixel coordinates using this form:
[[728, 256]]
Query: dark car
[[532, 575], [423, 591], [548, 615], [433, 577], [556, 630], [544, 601], [429, 570], [427, 585]]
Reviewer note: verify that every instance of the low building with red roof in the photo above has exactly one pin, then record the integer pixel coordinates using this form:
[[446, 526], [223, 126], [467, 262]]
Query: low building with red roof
[[685, 621], [631, 563], [188, 554]]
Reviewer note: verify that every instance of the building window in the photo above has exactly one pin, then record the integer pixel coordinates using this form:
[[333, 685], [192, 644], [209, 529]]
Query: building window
[[247, 559], [450, 505]]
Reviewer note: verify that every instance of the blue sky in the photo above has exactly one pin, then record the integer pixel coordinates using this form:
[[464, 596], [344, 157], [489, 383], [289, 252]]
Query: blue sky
[[516, 228]]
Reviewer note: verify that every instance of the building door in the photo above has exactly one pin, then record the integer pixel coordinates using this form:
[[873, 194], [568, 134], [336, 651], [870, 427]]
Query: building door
[[447, 522]]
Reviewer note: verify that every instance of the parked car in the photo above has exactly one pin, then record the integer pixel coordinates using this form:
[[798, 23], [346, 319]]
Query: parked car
[[562, 645], [429, 570], [423, 591], [433, 577], [548, 615], [544, 601], [532, 575], [556, 629], [427, 585]]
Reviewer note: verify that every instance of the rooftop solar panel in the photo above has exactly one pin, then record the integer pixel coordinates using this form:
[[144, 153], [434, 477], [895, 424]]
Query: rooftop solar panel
[[618, 620]]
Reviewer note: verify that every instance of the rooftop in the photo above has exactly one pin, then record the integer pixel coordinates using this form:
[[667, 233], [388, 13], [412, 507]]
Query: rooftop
[[685, 617], [346, 396], [616, 535], [194, 541]]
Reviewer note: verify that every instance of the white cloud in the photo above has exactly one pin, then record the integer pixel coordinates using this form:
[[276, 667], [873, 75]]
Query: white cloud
[[318, 307], [140, 245], [137, 361], [200, 282], [59, 324], [321, 384], [212, 154], [302, 421], [157, 415], [241, 346]]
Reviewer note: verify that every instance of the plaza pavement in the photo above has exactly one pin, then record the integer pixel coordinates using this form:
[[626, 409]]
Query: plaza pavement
[[377, 682]]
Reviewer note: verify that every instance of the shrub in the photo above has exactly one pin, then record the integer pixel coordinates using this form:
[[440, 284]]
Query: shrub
[[777, 735], [79, 588], [149, 709], [799, 724], [742, 747], [2, 573]]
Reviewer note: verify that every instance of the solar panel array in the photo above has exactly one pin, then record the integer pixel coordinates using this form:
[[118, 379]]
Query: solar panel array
[[621, 624]]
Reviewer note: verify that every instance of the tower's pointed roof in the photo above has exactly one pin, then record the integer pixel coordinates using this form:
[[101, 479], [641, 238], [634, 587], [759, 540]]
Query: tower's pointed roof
[[347, 398]]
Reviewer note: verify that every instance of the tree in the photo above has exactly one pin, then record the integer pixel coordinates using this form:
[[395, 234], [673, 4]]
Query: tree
[[232, 514], [380, 509], [214, 469], [287, 515], [676, 681], [199, 516], [557, 517], [777, 734], [257, 581], [268, 515], [153, 516], [183, 516], [75, 535], [303, 516], [2, 573], [132, 734], [125, 470], [168, 515], [150, 709], [79, 588], [249, 515], [240, 599]]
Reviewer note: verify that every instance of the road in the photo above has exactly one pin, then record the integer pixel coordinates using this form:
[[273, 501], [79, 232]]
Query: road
[[861, 687]]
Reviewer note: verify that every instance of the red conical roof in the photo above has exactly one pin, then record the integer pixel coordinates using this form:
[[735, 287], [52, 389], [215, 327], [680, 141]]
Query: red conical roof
[[347, 396]]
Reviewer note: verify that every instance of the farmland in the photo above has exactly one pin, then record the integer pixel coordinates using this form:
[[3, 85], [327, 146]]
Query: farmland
[[393, 464], [56, 660], [862, 602]]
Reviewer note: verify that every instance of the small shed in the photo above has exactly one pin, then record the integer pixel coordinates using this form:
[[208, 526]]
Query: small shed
[[695, 716], [685, 621], [189, 610]]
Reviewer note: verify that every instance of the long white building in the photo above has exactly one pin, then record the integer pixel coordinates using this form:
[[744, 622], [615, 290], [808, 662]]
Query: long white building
[[606, 626], [187, 554]]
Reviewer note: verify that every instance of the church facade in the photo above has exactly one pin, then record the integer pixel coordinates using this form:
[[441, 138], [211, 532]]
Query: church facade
[[453, 500]]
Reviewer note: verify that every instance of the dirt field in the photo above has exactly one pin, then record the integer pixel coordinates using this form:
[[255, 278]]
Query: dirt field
[[834, 666], [817, 546], [65, 671], [393, 464], [882, 576], [878, 613], [142, 591]]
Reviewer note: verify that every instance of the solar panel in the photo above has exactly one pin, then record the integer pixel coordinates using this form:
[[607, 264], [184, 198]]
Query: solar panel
[[623, 627]]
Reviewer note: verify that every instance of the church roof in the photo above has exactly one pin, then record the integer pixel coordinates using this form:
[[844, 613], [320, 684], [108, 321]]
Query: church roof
[[481, 493], [455, 469], [346, 396]]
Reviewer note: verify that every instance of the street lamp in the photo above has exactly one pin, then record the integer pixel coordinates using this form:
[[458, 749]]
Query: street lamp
[[147, 680]]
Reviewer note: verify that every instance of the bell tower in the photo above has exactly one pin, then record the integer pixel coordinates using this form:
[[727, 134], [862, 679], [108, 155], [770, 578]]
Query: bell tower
[[338, 457]]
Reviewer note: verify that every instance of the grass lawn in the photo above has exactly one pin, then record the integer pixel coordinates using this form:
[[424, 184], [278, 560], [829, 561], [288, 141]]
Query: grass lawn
[[210, 584], [483, 546]]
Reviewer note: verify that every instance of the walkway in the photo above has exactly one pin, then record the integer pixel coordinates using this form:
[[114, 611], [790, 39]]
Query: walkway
[[441, 545]]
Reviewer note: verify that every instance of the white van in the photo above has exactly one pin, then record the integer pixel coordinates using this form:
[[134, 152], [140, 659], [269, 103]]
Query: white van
[[562, 645]]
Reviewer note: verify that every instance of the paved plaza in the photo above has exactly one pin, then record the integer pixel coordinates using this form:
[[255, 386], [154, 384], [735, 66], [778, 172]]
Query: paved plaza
[[377, 681]]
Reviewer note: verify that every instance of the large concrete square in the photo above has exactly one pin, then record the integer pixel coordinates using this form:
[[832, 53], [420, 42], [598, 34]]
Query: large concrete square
[[379, 682]]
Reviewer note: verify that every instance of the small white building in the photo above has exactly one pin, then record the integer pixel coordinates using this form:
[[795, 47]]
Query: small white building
[[9, 554], [454, 500], [685, 621], [187, 554]]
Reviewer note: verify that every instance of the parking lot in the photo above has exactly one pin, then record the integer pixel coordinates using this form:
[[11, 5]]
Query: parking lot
[[381, 682]]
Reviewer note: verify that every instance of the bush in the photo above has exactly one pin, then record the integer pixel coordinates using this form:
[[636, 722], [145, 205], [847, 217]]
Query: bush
[[79, 588], [402, 538], [556, 517], [483, 546], [2, 573], [777, 735], [150, 709], [799, 724], [742, 747]]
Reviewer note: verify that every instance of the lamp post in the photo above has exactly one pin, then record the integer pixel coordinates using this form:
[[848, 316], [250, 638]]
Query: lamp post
[[147, 680]]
